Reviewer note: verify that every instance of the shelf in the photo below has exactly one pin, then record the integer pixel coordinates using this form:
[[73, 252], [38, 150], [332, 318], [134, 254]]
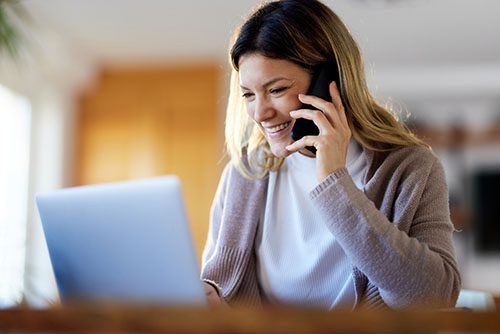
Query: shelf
[[458, 137]]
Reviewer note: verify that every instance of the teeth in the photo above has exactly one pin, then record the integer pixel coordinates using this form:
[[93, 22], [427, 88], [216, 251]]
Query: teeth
[[278, 128]]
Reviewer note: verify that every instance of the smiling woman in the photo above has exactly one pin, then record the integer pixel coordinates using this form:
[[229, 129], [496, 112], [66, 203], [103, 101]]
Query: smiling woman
[[363, 222]]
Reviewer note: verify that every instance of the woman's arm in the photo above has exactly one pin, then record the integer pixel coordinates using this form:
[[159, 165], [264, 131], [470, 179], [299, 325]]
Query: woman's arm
[[411, 269], [213, 293], [234, 216]]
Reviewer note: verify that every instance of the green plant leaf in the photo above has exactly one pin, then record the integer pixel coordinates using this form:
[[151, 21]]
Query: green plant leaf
[[9, 36]]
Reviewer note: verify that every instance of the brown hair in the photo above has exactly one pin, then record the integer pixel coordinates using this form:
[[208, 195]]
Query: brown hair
[[307, 33]]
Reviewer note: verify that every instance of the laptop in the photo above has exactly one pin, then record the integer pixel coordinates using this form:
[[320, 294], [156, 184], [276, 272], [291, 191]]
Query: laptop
[[125, 242]]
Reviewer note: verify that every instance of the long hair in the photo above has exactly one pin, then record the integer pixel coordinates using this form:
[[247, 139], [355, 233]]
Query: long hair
[[307, 33]]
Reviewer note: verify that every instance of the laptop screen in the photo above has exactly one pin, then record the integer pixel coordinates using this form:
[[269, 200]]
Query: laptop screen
[[122, 242]]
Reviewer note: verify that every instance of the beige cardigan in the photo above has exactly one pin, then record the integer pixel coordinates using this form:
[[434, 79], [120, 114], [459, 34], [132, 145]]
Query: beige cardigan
[[397, 232]]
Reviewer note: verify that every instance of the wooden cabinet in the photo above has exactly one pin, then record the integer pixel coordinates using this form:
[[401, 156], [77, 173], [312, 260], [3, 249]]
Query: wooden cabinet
[[144, 122]]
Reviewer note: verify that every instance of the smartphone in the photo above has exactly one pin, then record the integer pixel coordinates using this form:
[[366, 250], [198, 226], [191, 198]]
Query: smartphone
[[323, 75]]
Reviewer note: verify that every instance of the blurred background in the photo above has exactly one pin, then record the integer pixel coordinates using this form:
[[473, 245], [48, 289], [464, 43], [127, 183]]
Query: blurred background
[[106, 90]]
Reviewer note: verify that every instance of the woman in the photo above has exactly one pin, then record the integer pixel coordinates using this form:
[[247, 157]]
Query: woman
[[362, 222]]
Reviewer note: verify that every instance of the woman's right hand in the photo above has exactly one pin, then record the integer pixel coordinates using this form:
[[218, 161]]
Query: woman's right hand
[[334, 135], [213, 298]]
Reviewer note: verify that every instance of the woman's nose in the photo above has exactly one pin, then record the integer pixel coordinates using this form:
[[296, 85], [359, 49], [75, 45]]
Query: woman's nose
[[263, 110]]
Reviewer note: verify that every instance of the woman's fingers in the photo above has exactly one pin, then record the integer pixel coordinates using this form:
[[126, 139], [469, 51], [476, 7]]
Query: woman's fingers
[[337, 101], [335, 95], [332, 110], [316, 116], [315, 101], [328, 108], [303, 143]]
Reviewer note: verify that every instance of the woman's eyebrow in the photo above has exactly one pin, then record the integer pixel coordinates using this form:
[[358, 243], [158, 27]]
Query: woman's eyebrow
[[270, 82]]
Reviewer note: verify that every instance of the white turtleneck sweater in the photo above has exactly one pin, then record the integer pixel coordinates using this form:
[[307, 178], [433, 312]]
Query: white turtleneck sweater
[[299, 261]]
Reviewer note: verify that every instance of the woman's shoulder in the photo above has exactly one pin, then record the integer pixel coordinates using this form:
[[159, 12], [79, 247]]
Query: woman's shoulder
[[406, 154], [233, 177], [415, 152], [404, 160]]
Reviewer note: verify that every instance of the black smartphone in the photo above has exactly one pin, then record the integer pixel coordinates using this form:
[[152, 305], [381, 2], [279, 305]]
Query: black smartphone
[[323, 75]]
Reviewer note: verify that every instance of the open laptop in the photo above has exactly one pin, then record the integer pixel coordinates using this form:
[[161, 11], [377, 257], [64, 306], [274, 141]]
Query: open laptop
[[125, 242]]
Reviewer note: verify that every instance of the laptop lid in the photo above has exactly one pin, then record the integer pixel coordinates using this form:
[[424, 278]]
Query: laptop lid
[[122, 242]]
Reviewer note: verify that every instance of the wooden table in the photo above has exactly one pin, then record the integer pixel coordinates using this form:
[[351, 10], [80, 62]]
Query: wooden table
[[178, 320]]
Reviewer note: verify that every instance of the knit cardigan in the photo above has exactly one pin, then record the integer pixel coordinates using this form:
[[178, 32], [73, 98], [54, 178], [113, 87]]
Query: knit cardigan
[[396, 232]]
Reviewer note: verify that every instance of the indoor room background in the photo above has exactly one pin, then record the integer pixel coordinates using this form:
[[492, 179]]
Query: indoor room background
[[110, 90]]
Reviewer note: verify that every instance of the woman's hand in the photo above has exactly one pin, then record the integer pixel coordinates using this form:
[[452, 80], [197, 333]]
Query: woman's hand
[[213, 298], [334, 134]]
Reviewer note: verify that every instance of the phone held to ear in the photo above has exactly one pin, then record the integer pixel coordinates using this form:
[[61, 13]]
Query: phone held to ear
[[323, 75]]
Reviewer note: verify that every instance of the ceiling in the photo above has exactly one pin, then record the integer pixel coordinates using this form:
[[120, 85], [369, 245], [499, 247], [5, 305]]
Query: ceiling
[[399, 33]]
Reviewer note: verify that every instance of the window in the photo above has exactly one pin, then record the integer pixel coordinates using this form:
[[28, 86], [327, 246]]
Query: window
[[15, 118]]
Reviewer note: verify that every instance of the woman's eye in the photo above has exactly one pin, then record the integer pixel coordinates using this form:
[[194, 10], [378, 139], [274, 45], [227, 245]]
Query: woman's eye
[[247, 95], [278, 90]]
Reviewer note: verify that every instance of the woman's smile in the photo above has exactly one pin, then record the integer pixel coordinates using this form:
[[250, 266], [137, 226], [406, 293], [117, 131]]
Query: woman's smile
[[278, 130]]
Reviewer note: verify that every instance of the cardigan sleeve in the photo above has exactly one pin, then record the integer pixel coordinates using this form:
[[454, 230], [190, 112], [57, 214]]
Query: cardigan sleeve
[[216, 211], [234, 216], [413, 266]]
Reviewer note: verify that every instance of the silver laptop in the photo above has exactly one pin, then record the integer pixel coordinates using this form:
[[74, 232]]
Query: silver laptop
[[126, 242]]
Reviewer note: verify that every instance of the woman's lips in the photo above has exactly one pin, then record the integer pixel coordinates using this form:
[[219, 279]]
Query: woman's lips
[[277, 131]]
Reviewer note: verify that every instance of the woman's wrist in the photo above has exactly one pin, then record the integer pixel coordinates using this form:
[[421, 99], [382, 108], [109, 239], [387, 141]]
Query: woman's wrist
[[330, 179]]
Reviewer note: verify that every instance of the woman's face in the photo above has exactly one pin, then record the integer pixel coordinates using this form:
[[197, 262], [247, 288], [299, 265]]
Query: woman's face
[[270, 89]]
